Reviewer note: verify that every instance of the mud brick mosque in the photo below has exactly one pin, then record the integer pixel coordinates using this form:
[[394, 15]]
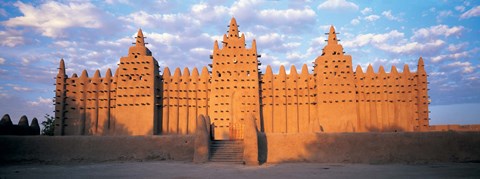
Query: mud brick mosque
[[139, 100]]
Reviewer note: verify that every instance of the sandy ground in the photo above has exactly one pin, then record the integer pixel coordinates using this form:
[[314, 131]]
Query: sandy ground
[[168, 169]]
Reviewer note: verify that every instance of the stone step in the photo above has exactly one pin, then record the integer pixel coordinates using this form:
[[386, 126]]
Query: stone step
[[226, 157], [226, 151], [230, 161]]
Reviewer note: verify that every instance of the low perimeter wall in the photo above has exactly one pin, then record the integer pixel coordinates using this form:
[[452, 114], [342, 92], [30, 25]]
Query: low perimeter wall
[[65, 149], [371, 148]]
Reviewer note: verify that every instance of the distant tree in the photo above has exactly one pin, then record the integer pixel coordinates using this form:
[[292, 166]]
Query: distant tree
[[48, 125]]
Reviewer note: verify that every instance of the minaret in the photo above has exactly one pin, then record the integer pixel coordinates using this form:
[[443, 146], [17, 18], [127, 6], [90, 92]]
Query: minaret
[[332, 36], [333, 74], [422, 97], [234, 85], [233, 28], [139, 48], [138, 91], [60, 97]]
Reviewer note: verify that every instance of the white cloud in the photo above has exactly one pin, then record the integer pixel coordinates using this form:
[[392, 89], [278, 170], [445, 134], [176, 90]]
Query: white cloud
[[19, 88], [52, 18], [296, 56], [460, 8], [117, 2], [466, 66], [289, 16], [438, 30], [366, 11], [2, 61], [456, 56], [365, 39], [41, 101], [208, 13], [389, 16], [474, 12], [338, 5], [355, 22], [201, 51], [164, 38], [457, 47], [413, 47], [276, 42], [170, 22], [443, 14], [372, 18], [3, 12], [11, 38], [117, 43], [394, 42], [65, 43]]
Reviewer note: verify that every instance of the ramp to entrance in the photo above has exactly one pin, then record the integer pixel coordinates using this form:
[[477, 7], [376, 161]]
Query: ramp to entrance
[[227, 151]]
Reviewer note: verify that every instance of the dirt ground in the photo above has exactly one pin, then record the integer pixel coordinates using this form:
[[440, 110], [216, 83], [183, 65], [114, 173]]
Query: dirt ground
[[169, 169]]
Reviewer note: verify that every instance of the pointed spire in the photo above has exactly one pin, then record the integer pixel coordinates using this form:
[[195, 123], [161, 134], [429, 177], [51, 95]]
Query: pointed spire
[[332, 36], [268, 71], [96, 77], [406, 69], [96, 74], [6, 121], [359, 70], [215, 46], [186, 73], [233, 28], [282, 71], [205, 74], [370, 69], [166, 72], [108, 74], [421, 65], [420, 62], [293, 70], [195, 72], [177, 74], [394, 70], [254, 44], [108, 77], [84, 74], [23, 121], [34, 125], [140, 38], [61, 68], [305, 69], [381, 70]]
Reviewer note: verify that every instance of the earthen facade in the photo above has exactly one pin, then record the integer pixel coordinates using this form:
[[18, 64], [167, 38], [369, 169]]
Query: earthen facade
[[139, 100]]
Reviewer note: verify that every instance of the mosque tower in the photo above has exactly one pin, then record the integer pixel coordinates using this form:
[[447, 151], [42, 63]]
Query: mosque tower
[[234, 86], [335, 90], [138, 92]]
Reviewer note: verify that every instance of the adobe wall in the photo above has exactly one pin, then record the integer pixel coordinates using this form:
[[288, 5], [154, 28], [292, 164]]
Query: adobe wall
[[139, 100], [373, 147], [454, 127], [73, 149]]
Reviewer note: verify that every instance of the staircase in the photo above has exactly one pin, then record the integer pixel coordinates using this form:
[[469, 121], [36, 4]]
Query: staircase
[[227, 151]]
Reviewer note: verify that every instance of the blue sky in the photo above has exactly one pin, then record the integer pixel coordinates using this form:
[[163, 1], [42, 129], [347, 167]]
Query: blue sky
[[35, 35]]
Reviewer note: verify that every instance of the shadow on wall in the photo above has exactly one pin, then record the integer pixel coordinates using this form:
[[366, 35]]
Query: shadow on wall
[[22, 128], [374, 148], [391, 128], [81, 124]]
